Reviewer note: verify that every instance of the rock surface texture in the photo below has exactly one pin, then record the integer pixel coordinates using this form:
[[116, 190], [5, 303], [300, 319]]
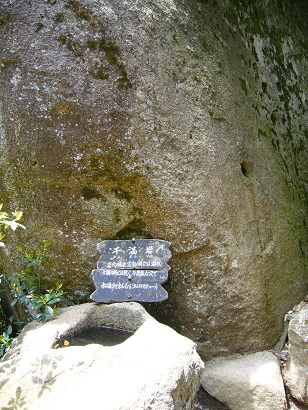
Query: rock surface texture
[[155, 368], [296, 371], [252, 382], [178, 120]]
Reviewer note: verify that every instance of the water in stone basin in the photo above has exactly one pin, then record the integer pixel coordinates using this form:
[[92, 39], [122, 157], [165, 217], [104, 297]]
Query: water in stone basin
[[100, 335]]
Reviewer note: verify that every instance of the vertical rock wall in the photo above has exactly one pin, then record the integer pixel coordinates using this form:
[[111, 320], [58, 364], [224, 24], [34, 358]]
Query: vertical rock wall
[[177, 120]]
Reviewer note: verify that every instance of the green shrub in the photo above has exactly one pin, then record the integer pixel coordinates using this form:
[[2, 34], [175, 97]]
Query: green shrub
[[28, 289], [6, 340], [26, 285]]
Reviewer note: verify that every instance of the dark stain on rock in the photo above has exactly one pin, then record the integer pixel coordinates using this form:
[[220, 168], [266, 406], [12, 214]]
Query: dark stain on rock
[[90, 193], [102, 44], [65, 109], [39, 27], [246, 168], [59, 18], [6, 63], [99, 73], [5, 18], [80, 11], [72, 45], [112, 55], [121, 193], [134, 229]]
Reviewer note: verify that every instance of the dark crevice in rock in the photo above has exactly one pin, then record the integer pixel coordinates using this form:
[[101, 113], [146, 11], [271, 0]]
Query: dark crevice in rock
[[204, 401]]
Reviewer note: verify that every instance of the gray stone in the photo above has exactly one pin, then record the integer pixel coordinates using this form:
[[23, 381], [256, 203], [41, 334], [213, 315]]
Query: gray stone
[[251, 382], [182, 120], [155, 368], [295, 373]]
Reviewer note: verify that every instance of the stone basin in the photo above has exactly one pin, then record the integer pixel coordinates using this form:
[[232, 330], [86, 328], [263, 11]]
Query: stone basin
[[103, 335], [155, 368]]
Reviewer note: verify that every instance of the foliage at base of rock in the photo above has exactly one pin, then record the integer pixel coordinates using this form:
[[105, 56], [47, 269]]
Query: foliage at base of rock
[[24, 287]]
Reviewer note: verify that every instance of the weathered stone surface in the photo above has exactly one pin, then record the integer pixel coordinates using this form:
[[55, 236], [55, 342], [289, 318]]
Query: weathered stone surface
[[252, 382], [179, 120], [295, 373], [155, 368]]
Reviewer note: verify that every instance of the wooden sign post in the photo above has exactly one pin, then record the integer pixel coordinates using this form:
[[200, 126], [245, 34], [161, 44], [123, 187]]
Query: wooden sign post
[[131, 270]]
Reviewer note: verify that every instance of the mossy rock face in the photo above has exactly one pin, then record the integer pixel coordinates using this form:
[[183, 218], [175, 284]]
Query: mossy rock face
[[183, 121]]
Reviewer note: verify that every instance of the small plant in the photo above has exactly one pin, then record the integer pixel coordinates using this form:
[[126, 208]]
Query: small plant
[[6, 222], [6, 338], [5, 341], [46, 304], [28, 289]]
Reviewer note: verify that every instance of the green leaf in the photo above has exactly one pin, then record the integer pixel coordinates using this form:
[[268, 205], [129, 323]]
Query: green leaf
[[53, 301], [18, 215], [49, 310], [13, 303], [39, 317], [38, 305], [5, 337]]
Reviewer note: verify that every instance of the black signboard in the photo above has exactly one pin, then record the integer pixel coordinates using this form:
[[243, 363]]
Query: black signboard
[[130, 270]]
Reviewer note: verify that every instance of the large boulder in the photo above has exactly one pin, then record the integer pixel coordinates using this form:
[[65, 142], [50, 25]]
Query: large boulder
[[250, 382], [179, 120], [295, 372], [154, 368]]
